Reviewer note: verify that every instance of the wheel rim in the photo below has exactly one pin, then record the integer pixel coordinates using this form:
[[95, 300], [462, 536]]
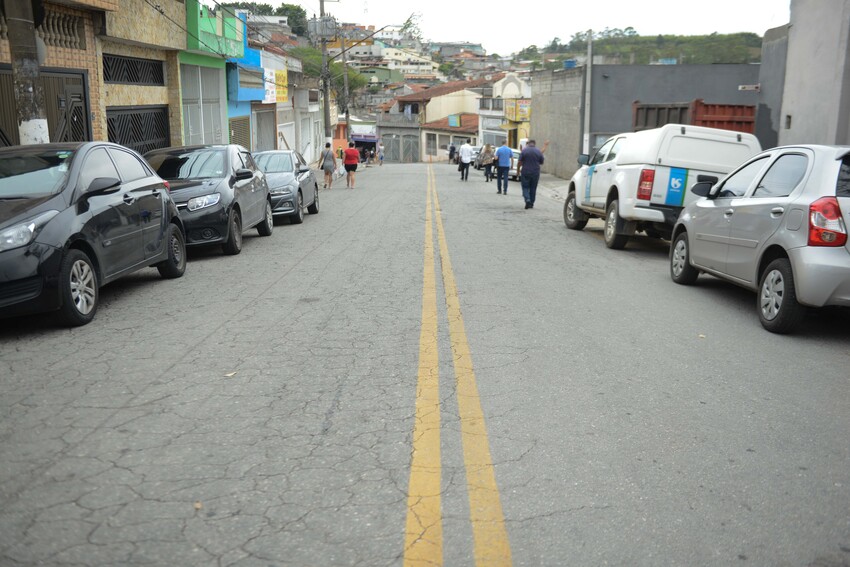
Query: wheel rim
[[269, 216], [300, 204], [83, 287], [772, 294], [176, 250], [680, 257], [571, 210], [237, 231], [611, 224]]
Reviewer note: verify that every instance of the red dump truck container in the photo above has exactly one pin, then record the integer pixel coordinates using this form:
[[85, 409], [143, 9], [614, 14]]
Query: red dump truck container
[[737, 117]]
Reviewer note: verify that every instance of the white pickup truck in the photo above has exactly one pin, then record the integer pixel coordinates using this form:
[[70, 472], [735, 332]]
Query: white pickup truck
[[640, 181]]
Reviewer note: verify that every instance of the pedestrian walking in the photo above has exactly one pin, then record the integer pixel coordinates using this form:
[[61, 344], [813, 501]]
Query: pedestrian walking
[[504, 163], [465, 157], [328, 160], [528, 170], [339, 153], [352, 158], [381, 154], [486, 158], [452, 152]]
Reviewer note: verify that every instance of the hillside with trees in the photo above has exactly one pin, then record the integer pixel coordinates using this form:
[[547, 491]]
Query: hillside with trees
[[626, 46]]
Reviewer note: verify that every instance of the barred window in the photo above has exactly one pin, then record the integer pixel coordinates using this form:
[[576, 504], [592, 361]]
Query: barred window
[[132, 70]]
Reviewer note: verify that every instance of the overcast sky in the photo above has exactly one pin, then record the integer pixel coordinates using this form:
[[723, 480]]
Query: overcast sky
[[505, 27]]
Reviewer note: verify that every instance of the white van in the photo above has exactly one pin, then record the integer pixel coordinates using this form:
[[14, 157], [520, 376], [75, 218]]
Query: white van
[[640, 181]]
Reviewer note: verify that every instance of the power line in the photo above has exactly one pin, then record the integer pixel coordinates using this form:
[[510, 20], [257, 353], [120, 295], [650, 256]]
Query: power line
[[162, 12]]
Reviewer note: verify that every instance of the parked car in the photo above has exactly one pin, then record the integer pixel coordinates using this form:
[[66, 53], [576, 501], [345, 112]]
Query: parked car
[[74, 217], [638, 181], [219, 190], [292, 184], [512, 172], [776, 225]]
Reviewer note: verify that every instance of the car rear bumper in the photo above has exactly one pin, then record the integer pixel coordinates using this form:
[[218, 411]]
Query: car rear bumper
[[821, 275], [29, 280], [630, 210]]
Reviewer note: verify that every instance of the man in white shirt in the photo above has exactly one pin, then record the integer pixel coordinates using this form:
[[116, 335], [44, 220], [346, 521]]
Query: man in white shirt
[[465, 155]]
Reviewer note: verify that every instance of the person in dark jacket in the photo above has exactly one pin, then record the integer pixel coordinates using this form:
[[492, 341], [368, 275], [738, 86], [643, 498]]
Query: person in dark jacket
[[452, 152]]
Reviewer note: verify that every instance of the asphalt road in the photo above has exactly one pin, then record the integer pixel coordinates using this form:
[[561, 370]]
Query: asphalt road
[[327, 398]]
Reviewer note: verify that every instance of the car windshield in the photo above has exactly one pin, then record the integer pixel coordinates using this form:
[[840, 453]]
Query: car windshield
[[274, 162], [202, 163], [33, 172]]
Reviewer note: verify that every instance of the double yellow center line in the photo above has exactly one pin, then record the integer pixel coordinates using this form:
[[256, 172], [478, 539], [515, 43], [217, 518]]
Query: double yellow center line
[[424, 529]]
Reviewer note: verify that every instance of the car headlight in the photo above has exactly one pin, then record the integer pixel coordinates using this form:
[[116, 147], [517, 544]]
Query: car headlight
[[203, 202], [284, 190], [25, 232]]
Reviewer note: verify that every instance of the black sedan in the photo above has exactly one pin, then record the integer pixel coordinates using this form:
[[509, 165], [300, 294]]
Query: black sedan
[[74, 217], [219, 190], [292, 184]]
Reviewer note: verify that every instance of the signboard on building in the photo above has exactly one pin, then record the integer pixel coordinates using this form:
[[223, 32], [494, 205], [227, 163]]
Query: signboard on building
[[269, 86], [282, 85], [454, 120], [518, 110]]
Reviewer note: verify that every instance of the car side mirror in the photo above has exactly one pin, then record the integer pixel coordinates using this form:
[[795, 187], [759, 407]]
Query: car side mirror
[[702, 188], [707, 178], [583, 159], [242, 174], [102, 185], [303, 169]]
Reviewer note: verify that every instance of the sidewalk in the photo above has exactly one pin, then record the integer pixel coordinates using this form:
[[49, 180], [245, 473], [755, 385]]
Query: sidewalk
[[553, 187]]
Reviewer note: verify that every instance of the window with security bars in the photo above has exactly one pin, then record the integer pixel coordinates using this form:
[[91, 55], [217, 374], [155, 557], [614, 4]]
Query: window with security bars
[[133, 70], [140, 128]]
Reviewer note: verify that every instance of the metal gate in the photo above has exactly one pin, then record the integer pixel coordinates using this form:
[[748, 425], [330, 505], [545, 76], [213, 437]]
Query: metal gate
[[265, 129], [142, 128], [409, 149], [65, 103]]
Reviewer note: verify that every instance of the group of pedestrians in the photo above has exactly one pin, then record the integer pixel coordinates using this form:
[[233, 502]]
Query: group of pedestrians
[[350, 157], [528, 166]]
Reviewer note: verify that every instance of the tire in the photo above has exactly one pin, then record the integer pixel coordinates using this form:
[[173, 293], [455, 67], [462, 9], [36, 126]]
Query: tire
[[572, 214], [174, 265], [233, 246], [681, 270], [613, 226], [266, 227], [298, 216], [313, 209], [79, 288], [778, 308]]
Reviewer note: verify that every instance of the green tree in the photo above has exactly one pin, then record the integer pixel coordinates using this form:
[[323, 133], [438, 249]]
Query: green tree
[[296, 16], [255, 8], [410, 27], [530, 52]]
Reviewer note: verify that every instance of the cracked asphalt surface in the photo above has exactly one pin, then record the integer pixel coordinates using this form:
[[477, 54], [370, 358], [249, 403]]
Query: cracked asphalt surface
[[259, 411]]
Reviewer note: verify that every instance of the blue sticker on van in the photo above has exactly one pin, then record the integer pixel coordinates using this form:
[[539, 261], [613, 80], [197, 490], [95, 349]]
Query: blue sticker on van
[[590, 171], [676, 186]]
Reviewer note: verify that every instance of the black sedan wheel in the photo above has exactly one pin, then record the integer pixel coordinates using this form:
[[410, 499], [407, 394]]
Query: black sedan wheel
[[79, 288], [233, 245], [175, 265]]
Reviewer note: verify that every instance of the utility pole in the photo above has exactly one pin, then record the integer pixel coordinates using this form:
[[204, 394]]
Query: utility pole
[[29, 93], [326, 76], [345, 84], [587, 92]]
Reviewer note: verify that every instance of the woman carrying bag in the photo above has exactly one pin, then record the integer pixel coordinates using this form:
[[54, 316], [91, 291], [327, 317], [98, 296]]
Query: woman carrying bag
[[328, 161], [486, 158]]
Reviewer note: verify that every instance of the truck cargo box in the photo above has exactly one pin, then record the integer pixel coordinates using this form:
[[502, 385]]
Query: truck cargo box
[[736, 117]]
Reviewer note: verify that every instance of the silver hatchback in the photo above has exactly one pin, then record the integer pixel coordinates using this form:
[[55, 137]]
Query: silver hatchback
[[776, 225]]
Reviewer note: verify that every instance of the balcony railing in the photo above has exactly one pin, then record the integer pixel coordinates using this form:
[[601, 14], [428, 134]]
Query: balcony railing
[[398, 119]]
